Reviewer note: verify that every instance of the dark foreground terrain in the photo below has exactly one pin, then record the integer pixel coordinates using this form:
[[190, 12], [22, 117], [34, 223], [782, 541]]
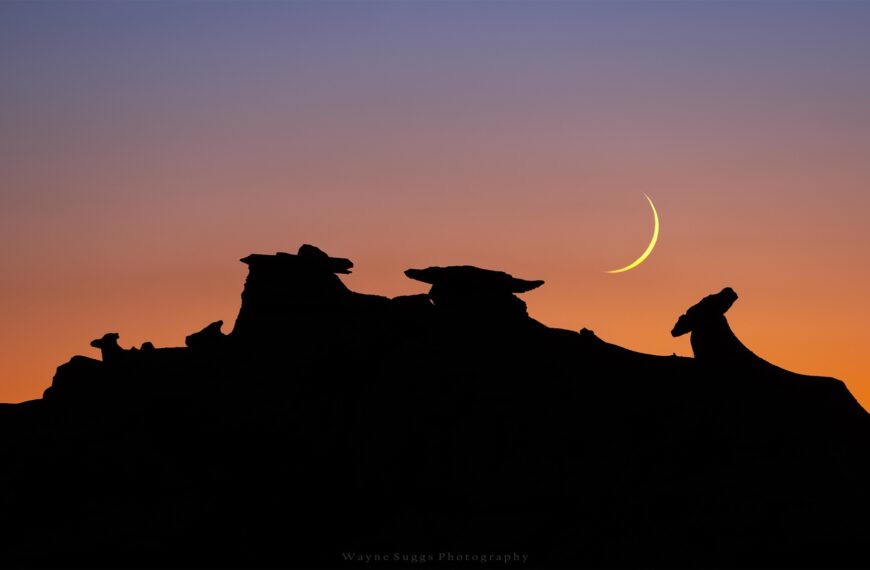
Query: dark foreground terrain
[[336, 429]]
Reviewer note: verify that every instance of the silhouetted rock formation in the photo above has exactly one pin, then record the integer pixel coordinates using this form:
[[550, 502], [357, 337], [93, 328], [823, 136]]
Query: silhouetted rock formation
[[76, 378], [467, 290], [209, 337], [299, 297], [284, 285], [712, 339], [109, 347], [330, 425]]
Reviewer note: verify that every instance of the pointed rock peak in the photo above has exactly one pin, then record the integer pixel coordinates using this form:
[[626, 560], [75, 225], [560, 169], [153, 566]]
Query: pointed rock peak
[[308, 258], [712, 307], [472, 278], [208, 336], [315, 255]]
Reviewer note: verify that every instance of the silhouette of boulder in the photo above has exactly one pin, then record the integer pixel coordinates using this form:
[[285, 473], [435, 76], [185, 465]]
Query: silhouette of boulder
[[712, 339], [209, 337], [589, 336], [708, 311], [469, 290], [108, 345]]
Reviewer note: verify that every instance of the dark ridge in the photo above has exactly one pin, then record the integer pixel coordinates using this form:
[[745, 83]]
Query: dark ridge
[[335, 429]]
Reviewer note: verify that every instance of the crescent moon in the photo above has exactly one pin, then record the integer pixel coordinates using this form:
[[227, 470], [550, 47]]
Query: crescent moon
[[651, 245]]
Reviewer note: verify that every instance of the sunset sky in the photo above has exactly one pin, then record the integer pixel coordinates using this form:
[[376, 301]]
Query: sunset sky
[[146, 146]]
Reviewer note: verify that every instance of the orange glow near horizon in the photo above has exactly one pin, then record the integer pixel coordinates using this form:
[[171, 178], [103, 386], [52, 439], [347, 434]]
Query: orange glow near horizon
[[146, 148]]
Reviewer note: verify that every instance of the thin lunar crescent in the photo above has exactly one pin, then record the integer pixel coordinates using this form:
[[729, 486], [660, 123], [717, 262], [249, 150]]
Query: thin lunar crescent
[[651, 245]]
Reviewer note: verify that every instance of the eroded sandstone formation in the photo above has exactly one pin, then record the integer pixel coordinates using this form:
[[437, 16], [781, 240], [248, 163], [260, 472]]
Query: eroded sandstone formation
[[330, 421], [468, 290]]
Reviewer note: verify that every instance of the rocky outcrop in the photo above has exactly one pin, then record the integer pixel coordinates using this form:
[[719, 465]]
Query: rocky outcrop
[[284, 288], [75, 379], [209, 337], [331, 422], [299, 297], [108, 345], [712, 339], [472, 292], [717, 348]]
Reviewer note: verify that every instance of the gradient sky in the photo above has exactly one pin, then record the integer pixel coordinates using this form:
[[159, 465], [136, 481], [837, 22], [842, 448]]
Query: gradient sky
[[145, 147]]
